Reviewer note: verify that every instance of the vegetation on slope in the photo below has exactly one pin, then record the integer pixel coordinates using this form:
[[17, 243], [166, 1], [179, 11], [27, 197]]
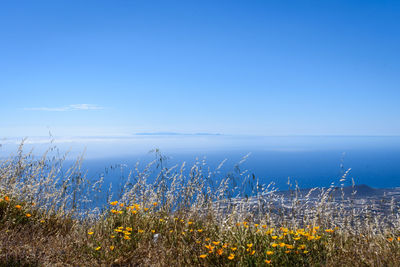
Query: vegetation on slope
[[181, 218]]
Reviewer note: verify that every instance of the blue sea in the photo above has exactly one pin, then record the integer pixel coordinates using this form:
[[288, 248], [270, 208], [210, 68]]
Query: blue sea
[[309, 161]]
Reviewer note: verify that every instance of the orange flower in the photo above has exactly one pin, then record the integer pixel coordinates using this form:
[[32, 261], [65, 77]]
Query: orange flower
[[203, 256], [220, 251], [114, 203], [18, 206], [231, 256], [267, 261], [6, 198], [111, 248], [28, 215]]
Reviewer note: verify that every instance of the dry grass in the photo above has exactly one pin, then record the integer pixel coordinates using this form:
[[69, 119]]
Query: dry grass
[[183, 218]]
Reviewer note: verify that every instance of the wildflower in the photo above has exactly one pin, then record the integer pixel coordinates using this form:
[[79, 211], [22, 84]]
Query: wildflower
[[274, 245], [234, 248], [267, 261], [207, 239], [316, 228], [42, 221], [252, 253], [329, 230], [111, 248], [114, 203], [296, 238], [161, 220], [153, 231], [98, 248], [121, 205], [231, 256], [305, 251], [18, 206], [256, 224], [118, 230], [282, 245], [274, 237], [238, 224], [199, 230], [289, 246], [203, 256], [140, 231], [269, 252], [28, 215], [90, 233], [398, 239], [209, 247], [189, 223], [220, 251], [287, 251], [120, 212], [225, 245], [127, 237], [250, 245], [128, 229], [6, 198], [264, 226], [390, 239], [134, 211], [146, 209], [114, 211], [216, 242], [155, 204], [112, 236]]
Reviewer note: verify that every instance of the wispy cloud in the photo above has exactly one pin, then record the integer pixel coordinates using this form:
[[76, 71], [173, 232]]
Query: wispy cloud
[[68, 108]]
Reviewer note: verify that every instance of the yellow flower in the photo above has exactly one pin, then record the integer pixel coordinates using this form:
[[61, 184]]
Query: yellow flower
[[90, 233], [234, 248], [146, 209], [296, 238], [203, 256], [264, 226], [274, 245], [127, 237], [155, 204], [207, 239], [398, 239], [252, 253], [189, 223], [128, 229], [274, 237], [216, 242], [153, 231], [28, 215], [250, 245], [282, 245], [111, 248], [161, 220], [329, 230], [42, 221], [287, 251], [305, 251], [6, 198], [256, 224], [18, 206], [114, 203], [114, 211], [267, 261], [289, 246], [200, 230], [231, 256], [112, 236], [390, 239], [120, 212], [134, 211], [140, 231], [220, 251], [98, 248], [269, 252], [121, 205]]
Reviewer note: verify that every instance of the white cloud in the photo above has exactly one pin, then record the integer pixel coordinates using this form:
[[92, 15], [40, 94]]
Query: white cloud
[[67, 108]]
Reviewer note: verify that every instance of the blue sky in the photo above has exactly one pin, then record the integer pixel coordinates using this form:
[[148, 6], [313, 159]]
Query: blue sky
[[232, 67]]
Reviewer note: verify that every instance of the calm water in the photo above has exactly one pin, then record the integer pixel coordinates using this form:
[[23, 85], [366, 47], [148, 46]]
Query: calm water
[[311, 161]]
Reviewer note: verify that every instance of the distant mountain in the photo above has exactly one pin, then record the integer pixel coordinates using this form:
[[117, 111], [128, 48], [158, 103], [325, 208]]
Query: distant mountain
[[174, 133]]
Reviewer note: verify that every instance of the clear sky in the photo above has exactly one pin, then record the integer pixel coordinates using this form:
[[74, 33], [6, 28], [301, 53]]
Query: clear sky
[[232, 67]]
